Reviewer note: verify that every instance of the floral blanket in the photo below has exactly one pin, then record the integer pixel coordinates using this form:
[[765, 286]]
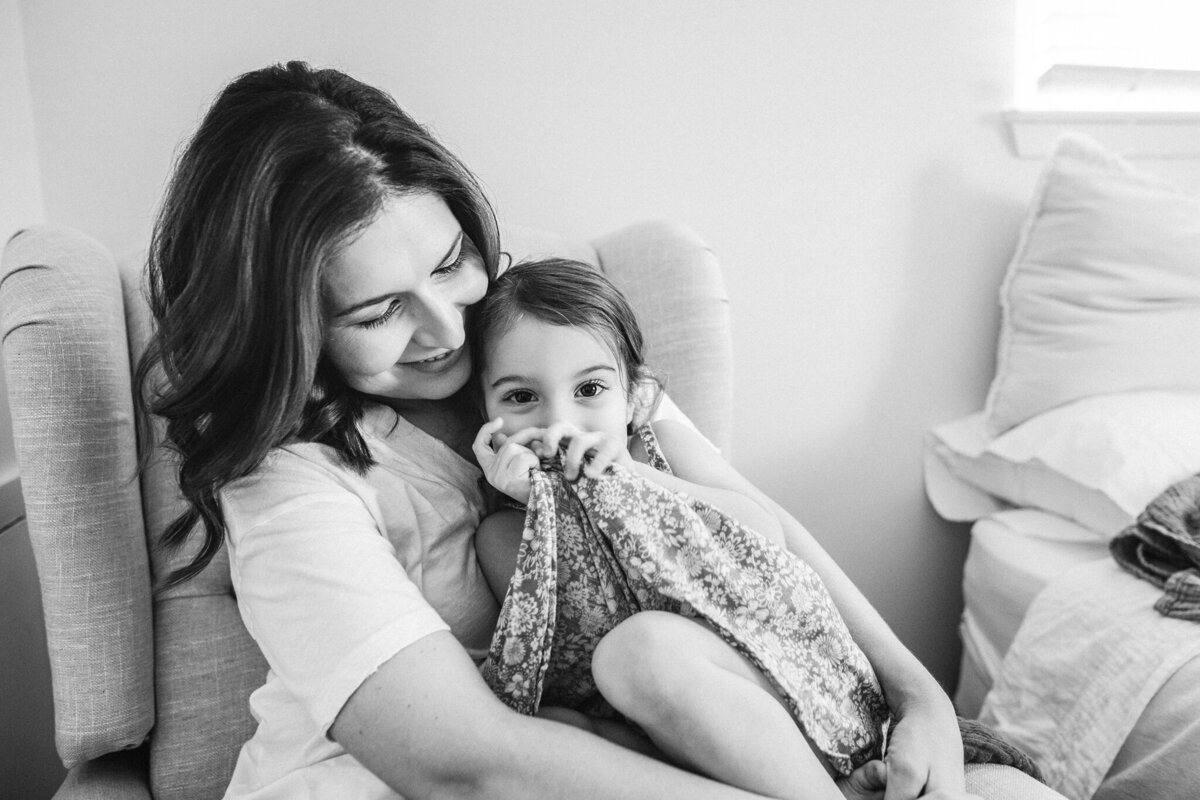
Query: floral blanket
[[597, 551]]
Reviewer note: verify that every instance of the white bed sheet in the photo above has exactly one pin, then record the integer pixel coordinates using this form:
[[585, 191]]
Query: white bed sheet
[[1012, 556]]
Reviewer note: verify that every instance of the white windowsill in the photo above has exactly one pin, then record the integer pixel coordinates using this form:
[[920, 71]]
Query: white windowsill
[[1174, 134]]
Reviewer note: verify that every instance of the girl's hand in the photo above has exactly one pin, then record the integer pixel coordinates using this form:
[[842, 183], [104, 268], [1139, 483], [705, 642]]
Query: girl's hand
[[506, 460], [589, 453], [924, 753]]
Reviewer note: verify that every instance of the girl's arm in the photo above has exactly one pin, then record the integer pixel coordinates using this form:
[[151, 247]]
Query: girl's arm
[[925, 748], [700, 471], [428, 726]]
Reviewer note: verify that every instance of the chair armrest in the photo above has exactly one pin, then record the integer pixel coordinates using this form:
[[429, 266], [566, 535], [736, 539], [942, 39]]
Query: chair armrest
[[66, 358], [116, 776]]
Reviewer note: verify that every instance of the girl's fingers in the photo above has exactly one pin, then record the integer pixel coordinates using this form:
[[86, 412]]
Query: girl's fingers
[[581, 449], [603, 456], [482, 445], [554, 436], [526, 436]]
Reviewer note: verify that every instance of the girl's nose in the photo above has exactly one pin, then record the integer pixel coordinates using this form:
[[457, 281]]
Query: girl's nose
[[554, 409]]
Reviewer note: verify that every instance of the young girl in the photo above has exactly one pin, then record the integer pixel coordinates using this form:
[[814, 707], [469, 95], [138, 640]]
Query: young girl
[[559, 366]]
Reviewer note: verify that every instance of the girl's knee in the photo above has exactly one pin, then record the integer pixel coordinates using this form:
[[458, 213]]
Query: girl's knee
[[643, 660]]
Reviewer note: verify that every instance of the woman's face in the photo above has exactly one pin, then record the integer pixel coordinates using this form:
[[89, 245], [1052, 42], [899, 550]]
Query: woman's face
[[395, 299]]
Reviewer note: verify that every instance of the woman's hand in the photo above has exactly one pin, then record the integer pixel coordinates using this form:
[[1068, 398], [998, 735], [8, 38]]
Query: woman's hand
[[924, 752], [506, 460], [589, 453], [865, 783]]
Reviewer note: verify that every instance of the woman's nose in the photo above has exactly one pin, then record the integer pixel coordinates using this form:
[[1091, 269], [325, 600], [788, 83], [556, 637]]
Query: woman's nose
[[439, 322]]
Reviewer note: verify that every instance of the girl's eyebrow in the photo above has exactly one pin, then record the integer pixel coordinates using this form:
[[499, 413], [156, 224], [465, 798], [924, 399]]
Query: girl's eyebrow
[[454, 247], [580, 374]]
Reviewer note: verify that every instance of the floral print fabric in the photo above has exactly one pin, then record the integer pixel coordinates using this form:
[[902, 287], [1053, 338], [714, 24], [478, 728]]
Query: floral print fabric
[[597, 551]]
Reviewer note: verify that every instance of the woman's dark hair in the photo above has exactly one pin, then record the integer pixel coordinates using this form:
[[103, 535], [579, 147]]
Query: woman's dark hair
[[287, 166], [561, 291]]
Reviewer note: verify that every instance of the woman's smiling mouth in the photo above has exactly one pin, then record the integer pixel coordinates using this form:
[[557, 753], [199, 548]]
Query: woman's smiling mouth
[[436, 363]]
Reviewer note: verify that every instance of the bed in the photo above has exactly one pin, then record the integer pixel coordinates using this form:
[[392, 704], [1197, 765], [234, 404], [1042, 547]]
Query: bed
[[1093, 413]]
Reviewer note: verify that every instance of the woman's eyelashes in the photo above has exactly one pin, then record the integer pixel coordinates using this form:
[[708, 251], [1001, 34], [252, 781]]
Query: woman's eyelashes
[[465, 251], [375, 322]]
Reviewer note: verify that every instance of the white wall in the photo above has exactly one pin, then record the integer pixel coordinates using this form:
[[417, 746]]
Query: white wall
[[20, 183], [29, 765], [844, 160]]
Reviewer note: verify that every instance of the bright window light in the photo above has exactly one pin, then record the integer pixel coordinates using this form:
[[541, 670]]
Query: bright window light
[[1108, 55]]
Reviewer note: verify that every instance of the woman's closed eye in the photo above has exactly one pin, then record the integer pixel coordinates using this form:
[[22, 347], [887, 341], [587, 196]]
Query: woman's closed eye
[[466, 248], [387, 314], [465, 251]]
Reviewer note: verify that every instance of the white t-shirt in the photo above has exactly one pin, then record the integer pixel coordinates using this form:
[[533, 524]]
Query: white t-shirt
[[335, 573]]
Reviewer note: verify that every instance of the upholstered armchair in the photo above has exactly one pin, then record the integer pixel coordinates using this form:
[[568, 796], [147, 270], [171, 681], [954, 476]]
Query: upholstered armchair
[[150, 691]]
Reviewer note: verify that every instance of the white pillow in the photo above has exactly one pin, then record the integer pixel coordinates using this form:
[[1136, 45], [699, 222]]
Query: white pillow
[[1098, 461], [1103, 293]]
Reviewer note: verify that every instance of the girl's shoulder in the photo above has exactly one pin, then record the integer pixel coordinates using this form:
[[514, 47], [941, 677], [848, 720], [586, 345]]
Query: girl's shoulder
[[644, 446], [676, 444]]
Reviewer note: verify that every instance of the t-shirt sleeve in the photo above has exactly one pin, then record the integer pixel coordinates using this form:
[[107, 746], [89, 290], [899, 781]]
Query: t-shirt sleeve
[[318, 584]]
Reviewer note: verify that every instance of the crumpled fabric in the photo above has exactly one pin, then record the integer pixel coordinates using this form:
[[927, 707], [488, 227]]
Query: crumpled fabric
[[1163, 547]]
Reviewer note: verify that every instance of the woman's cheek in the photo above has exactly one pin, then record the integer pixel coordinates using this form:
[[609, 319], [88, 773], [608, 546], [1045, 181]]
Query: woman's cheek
[[355, 356]]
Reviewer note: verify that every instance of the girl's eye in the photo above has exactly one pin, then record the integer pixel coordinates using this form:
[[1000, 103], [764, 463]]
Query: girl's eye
[[519, 396], [591, 389], [375, 322]]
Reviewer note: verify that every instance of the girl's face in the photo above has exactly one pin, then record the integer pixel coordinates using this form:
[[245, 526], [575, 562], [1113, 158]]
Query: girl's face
[[539, 373], [395, 298]]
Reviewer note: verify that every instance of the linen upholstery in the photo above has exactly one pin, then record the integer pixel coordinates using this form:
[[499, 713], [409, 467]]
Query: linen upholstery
[[175, 672], [687, 338], [69, 390]]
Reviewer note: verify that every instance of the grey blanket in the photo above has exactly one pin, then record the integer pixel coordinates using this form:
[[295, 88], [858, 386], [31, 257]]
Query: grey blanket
[[1163, 547]]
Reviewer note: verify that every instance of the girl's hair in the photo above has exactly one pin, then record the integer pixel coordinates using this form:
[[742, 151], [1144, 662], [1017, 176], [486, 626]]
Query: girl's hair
[[560, 291], [287, 166]]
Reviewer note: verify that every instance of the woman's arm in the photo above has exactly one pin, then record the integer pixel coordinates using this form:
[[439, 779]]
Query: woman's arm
[[924, 745], [428, 726]]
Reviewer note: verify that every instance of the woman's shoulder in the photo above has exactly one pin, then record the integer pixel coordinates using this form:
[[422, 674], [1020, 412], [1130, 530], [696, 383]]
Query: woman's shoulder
[[291, 477]]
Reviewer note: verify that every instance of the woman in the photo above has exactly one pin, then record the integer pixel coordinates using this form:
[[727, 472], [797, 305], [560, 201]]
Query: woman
[[310, 270]]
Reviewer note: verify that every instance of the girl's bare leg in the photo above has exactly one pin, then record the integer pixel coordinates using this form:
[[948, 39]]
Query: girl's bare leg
[[497, 541], [707, 707]]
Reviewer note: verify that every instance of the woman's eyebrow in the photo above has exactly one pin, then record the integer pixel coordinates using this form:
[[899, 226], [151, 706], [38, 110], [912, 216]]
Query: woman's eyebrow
[[454, 247]]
